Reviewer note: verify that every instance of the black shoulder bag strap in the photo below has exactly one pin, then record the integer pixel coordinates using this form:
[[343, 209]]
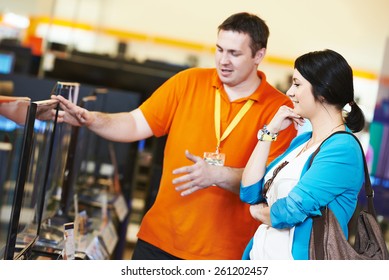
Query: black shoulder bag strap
[[318, 229]]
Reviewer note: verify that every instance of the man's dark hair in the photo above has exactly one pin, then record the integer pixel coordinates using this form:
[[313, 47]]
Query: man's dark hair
[[249, 24]]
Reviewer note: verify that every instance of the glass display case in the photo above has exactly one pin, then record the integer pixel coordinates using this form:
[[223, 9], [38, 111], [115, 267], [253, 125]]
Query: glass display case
[[50, 176]]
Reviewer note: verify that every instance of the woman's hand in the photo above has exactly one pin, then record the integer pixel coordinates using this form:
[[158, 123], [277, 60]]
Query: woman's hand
[[261, 212], [284, 117]]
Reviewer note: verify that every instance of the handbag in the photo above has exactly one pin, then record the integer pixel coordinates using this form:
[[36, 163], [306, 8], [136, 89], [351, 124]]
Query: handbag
[[327, 240]]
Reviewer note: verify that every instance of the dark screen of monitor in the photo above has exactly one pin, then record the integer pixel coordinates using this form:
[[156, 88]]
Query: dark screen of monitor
[[23, 58], [13, 111], [27, 206], [6, 62]]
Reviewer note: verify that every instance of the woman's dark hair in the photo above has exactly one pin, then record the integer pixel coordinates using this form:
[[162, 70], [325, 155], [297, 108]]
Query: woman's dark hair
[[331, 78], [249, 24]]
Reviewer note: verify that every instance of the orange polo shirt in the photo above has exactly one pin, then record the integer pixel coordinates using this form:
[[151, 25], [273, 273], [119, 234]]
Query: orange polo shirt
[[212, 223]]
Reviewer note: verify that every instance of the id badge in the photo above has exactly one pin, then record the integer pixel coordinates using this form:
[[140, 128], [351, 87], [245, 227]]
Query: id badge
[[214, 158]]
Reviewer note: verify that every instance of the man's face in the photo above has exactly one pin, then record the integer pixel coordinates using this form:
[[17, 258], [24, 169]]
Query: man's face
[[234, 60]]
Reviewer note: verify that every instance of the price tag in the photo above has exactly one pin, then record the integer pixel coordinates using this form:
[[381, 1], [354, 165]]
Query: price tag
[[109, 236], [121, 207]]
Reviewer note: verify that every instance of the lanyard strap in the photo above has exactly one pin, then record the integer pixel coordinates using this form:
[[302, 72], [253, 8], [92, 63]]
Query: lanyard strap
[[234, 122]]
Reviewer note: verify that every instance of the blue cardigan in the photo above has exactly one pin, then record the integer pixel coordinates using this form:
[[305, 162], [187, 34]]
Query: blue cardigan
[[334, 179]]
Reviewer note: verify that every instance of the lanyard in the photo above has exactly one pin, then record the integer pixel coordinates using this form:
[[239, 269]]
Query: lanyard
[[234, 122]]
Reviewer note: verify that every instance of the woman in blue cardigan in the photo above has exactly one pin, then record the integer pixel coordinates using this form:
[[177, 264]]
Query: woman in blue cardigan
[[286, 194]]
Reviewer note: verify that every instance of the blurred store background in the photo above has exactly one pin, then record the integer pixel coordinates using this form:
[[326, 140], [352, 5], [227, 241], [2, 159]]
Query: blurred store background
[[127, 48]]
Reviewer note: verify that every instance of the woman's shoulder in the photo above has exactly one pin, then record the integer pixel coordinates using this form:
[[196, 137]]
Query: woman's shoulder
[[343, 145], [343, 140]]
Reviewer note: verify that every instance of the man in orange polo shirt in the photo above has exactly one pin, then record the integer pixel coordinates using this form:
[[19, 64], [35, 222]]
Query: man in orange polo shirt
[[212, 117]]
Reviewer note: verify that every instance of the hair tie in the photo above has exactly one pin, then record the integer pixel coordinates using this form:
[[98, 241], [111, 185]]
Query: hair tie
[[351, 103]]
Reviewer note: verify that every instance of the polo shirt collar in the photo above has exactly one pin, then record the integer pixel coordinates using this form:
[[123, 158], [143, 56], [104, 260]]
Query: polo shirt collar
[[257, 95]]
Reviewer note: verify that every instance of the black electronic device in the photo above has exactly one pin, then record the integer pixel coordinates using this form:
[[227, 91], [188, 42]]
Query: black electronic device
[[13, 111], [75, 168], [113, 73], [7, 62], [23, 57], [33, 175]]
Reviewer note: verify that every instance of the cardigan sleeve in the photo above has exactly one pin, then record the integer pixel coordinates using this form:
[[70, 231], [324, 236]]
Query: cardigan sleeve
[[335, 176], [253, 194]]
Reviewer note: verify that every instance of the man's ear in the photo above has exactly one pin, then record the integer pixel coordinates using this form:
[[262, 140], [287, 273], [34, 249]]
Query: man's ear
[[260, 54]]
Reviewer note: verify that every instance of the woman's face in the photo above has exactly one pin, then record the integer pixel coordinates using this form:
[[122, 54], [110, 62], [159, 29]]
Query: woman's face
[[301, 95]]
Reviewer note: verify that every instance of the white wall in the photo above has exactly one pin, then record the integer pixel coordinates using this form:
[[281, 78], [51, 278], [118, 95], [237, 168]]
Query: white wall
[[356, 28]]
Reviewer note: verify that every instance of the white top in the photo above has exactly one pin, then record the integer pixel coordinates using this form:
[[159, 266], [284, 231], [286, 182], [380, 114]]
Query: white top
[[276, 244]]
